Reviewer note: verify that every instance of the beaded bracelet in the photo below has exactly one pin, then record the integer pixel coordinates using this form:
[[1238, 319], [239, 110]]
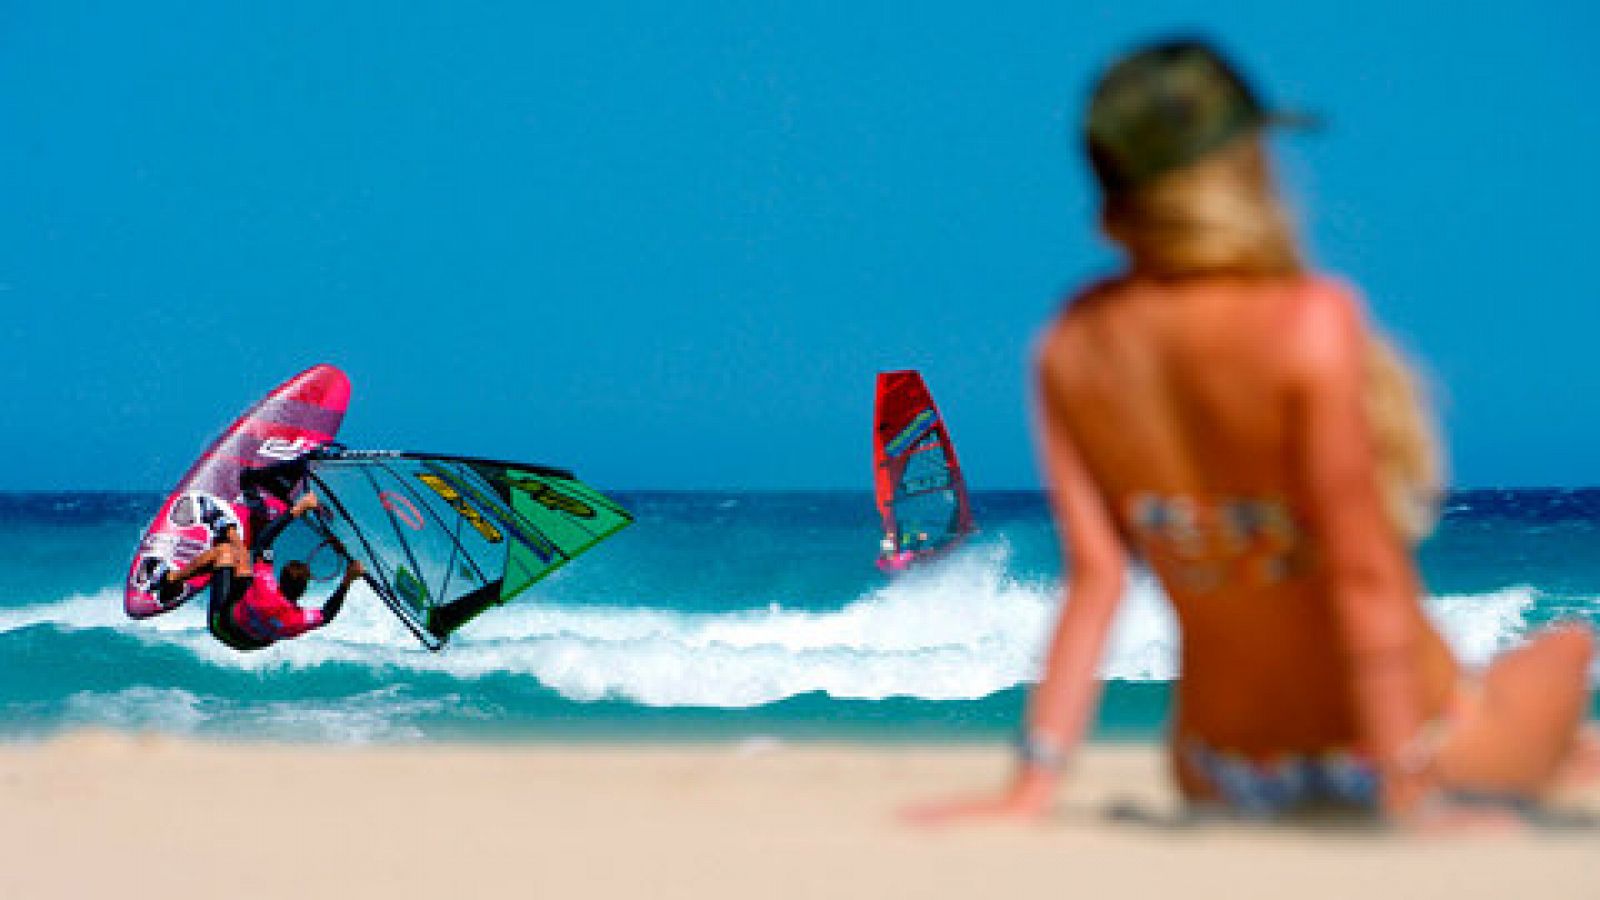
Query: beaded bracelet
[[1040, 751]]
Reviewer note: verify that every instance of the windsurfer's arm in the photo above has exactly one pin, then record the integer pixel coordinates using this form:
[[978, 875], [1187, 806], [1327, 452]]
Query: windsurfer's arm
[[1063, 703], [352, 574]]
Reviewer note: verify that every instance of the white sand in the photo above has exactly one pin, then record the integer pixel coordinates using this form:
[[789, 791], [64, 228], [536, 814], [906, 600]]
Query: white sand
[[106, 815]]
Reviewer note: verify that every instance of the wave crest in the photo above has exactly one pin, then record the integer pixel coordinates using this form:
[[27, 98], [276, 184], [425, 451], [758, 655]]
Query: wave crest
[[960, 630]]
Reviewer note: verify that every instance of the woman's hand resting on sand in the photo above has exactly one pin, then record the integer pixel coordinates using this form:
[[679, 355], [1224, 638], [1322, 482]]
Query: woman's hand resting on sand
[[1027, 799]]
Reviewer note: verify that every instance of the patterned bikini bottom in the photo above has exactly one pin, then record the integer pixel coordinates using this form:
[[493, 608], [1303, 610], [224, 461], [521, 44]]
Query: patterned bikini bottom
[[1255, 788]]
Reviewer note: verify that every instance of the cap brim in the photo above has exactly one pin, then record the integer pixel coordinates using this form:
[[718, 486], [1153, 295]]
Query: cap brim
[[1295, 120]]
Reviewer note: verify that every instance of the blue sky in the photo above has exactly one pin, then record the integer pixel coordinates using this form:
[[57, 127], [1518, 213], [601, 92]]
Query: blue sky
[[669, 244]]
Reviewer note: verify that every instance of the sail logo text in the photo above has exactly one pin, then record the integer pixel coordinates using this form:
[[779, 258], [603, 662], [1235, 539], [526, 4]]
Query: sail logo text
[[278, 448], [464, 509], [550, 498]]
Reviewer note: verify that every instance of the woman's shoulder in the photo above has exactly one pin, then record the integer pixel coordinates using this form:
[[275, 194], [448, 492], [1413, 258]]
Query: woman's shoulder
[[1314, 314], [1082, 305], [1082, 315], [1326, 291], [1096, 292], [1326, 325]]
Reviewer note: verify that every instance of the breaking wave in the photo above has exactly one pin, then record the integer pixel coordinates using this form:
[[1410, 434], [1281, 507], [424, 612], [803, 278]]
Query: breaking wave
[[962, 630]]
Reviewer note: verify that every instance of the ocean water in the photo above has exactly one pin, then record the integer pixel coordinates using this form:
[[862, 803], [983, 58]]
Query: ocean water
[[718, 615]]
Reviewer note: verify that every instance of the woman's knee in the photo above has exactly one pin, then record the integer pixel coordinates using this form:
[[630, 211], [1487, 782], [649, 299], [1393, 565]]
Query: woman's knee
[[1571, 643], [1582, 638], [1545, 677]]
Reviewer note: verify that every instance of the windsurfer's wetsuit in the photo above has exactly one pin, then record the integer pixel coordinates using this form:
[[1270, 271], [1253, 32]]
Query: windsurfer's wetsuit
[[251, 612], [264, 615]]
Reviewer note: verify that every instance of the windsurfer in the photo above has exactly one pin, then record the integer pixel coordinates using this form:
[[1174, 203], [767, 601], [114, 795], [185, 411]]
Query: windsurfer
[[251, 607], [892, 557], [921, 495]]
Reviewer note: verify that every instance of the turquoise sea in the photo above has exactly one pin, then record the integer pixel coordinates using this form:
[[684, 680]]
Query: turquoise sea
[[718, 614]]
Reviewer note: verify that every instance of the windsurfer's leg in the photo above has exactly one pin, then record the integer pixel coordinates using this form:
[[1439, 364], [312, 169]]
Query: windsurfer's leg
[[238, 554], [223, 587], [229, 555], [204, 564], [228, 588]]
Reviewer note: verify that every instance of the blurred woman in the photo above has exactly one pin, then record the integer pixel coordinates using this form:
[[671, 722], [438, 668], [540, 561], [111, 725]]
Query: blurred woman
[[1231, 419]]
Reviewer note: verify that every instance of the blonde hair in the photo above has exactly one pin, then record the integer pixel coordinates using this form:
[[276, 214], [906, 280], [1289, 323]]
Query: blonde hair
[[1410, 462], [1221, 215]]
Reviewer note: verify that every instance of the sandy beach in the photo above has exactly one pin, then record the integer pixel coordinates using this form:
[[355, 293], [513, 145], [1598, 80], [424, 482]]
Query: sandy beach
[[102, 813]]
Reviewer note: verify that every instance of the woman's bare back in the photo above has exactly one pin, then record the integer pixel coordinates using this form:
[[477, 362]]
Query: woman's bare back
[[1179, 395]]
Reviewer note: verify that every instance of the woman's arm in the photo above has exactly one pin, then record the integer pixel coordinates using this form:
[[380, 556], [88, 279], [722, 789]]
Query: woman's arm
[[1063, 703], [1368, 567]]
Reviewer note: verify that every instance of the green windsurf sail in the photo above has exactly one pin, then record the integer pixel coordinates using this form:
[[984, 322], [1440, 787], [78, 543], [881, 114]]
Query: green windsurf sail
[[446, 537]]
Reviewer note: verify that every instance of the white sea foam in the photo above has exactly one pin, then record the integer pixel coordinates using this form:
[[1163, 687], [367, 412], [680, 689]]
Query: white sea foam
[[960, 630], [171, 710], [382, 714], [101, 609], [1478, 626]]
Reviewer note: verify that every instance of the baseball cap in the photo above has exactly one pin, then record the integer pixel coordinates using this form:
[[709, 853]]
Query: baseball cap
[[1169, 104]]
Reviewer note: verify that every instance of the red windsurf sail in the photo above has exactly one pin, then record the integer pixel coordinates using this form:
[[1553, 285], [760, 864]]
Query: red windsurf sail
[[921, 494]]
